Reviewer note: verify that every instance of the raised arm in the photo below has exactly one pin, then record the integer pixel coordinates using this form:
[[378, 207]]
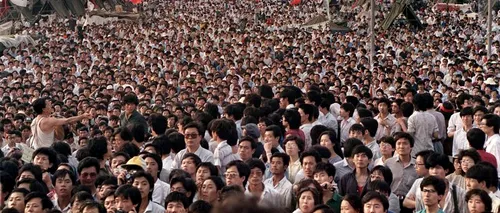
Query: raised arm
[[52, 122]]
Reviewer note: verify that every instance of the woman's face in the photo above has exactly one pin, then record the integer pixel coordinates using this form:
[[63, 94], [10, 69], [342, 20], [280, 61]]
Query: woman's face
[[475, 204], [16, 200], [345, 207], [466, 163], [209, 191], [143, 185], [326, 142], [291, 148], [306, 202], [34, 206]]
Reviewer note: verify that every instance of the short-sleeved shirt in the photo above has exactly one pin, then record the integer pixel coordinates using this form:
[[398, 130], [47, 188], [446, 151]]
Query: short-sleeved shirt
[[403, 177]]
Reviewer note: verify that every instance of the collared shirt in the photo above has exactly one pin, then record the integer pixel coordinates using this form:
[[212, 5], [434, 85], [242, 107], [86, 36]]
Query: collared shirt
[[391, 126], [495, 202], [284, 188], [223, 154], [403, 176], [334, 159], [306, 128], [269, 197], [421, 125], [460, 141], [493, 147], [6, 149], [349, 185], [329, 121], [167, 162], [458, 180], [341, 168], [154, 208], [441, 122], [160, 192], [375, 149], [345, 125], [293, 169], [334, 202], [449, 205], [454, 123], [57, 207], [135, 118], [205, 156]]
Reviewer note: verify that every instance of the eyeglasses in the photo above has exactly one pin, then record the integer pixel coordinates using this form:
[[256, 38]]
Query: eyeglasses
[[230, 174], [428, 191], [191, 135]]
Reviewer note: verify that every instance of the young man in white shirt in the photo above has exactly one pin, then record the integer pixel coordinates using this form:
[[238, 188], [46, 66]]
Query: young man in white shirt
[[460, 139], [279, 164], [490, 125]]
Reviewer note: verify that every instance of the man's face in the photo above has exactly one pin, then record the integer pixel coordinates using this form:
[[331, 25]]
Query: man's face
[[88, 176], [130, 107], [308, 165], [277, 166], [430, 196], [361, 160], [373, 206], [175, 207], [42, 161], [467, 120], [420, 167], [471, 183], [124, 204], [403, 146], [437, 171], [269, 137], [356, 134], [192, 137], [256, 176], [63, 186], [188, 165], [233, 176], [322, 177], [245, 150], [151, 167]]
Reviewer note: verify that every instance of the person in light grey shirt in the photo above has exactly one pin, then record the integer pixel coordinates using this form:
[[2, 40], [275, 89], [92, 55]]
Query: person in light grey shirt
[[193, 138]]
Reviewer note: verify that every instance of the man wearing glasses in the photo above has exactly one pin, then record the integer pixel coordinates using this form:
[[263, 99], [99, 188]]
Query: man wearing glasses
[[192, 137], [433, 189]]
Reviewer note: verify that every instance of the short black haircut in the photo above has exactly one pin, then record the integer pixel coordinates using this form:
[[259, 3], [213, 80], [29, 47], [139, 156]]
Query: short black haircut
[[325, 167], [357, 128], [256, 163], [149, 178], [476, 138], [483, 195], [284, 157], [292, 117], [39, 104], [310, 153], [407, 136], [275, 129], [210, 166], [196, 126], [188, 184], [129, 192], [375, 195], [98, 147], [163, 144], [471, 153], [243, 169], [388, 140], [362, 149], [253, 144], [222, 127], [466, 111], [50, 153], [200, 206], [177, 141], [437, 159], [192, 156], [424, 154], [46, 202], [492, 120], [371, 125], [386, 172], [158, 123], [157, 158], [477, 172], [438, 184], [380, 186], [81, 196], [89, 162], [93, 204], [300, 143], [349, 146], [61, 173], [7, 182], [490, 171], [177, 197], [348, 107], [130, 99]]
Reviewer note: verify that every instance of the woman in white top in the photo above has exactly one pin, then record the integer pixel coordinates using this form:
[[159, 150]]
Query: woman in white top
[[145, 183]]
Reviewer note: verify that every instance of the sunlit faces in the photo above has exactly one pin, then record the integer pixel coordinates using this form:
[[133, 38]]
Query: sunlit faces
[[202, 174], [209, 191], [306, 202], [403, 146], [63, 186], [232, 176], [277, 165], [151, 166], [142, 184], [374, 206], [308, 165], [16, 200], [476, 205], [466, 163], [42, 161], [245, 150], [430, 196], [189, 165]]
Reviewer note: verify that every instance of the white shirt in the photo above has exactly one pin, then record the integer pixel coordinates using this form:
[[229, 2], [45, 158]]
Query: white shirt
[[454, 123], [154, 208], [57, 207], [460, 141], [344, 129], [493, 147], [269, 197], [205, 156], [284, 188], [306, 128], [329, 121], [160, 192]]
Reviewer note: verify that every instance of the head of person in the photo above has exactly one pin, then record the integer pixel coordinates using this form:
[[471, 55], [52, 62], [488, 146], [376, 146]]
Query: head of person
[[294, 146], [346, 110], [387, 146], [308, 160], [184, 185], [381, 173], [46, 158], [189, 163], [176, 202], [7, 184], [37, 202], [109, 200], [476, 138], [88, 169], [154, 164], [118, 159], [193, 134], [421, 158], [361, 156], [272, 134], [490, 124], [145, 183], [211, 189], [371, 127], [230, 191], [42, 105], [322, 208], [404, 143], [100, 148], [433, 189], [79, 199], [478, 201], [468, 158], [127, 198], [279, 163], [237, 173], [439, 165], [329, 140], [477, 178], [63, 181], [291, 119], [307, 199], [92, 207], [324, 173], [200, 206], [246, 147], [374, 202], [257, 170], [16, 199], [30, 170], [349, 146], [351, 203], [357, 131], [205, 170], [379, 186], [130, 102]]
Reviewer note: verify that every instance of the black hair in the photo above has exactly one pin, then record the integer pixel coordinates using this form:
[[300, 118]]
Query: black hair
[[61, 173], [375, 195], [34, 185], [478, 173], [210, 166], [234, 110], [310, 153], [177, 141], [424, 154], [490, 171], [230, 191], [438, 184], [362, 149], [163, 144], [476, 138], [371, 125], [256, 163], [357, 128], [219, 183], [88, 162], [177, 197], [386, 172], [471, 153], [192, 156], [46, 202], [253, 144], [380, 186], [325, 167], [149, 178], [437, 159], [130, 99], [9, 210], [404, 135], [130, 148], [200, 206], [39, 104], [333, 138], [364, 113], [7, 182], [127, 191], [196, 126], [93, 204], [155, 157], [138, 132], [50, 153], [483, 195], [158, 123], [492, 120], [125, 134], [284, 157], [188, 184], [222, 127], [349, 146], [300, 143], [98, 147], [62, 148], [243, 169], [466, 111], [308, 109], [323, 208], [292, 117], [348, 107], [323, 151], [389, 140], [316, 195]]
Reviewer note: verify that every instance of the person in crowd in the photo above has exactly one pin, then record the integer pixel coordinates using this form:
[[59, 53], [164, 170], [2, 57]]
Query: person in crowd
[[324, 174], [476, 138], [347, 165], [329, 140], [460, 136], [466, 159], [256, 187], [16, 199], [490, 124], [478, 201], [145, 183], [402, 165], [433, 189], [294, 147], [374, 202], [63, 181], [37, 202], [356, 181], [308, 198], [128, 198], [351, 203], [211, 189], [387, 147], [176, 202], [192, 133], [278, 181], [477, 178]]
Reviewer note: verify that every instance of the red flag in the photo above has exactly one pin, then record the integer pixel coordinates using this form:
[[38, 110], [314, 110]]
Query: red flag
[[295, 2], [136, 1]]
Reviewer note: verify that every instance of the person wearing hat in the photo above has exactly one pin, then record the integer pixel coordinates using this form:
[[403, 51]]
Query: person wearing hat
[[252, 130], [132, 166]]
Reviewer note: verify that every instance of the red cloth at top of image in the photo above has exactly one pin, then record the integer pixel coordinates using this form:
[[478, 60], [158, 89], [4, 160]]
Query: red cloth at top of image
[[136, 1], [295, 2]]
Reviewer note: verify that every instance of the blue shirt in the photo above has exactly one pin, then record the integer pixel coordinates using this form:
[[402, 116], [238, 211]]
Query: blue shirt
[[423, 211]]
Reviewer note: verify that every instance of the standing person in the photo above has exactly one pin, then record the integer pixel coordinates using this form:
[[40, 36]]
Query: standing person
[[490, 125], [346, 113], [374, 202], [454, 123], [324, 174], [460, 138], [279, 165], [266, 195], [475, 178], [476, 138], [131, 115], [145, 183], [355, 182], [294, 147], [402, 165], [192, 134], [386, 121], [387, 147], [369, 140], [478, 201], [63, 182], [223, 153], [44, 125], [329, 140], [237, 174], [441, 123], [433, 189], [422, 126], [306, 112]]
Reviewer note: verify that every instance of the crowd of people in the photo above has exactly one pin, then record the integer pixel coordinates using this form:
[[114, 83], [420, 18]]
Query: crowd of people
[[232, 106]]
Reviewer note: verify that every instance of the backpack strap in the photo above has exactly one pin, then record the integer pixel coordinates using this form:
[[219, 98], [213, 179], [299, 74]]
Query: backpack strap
[[455, 199]]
